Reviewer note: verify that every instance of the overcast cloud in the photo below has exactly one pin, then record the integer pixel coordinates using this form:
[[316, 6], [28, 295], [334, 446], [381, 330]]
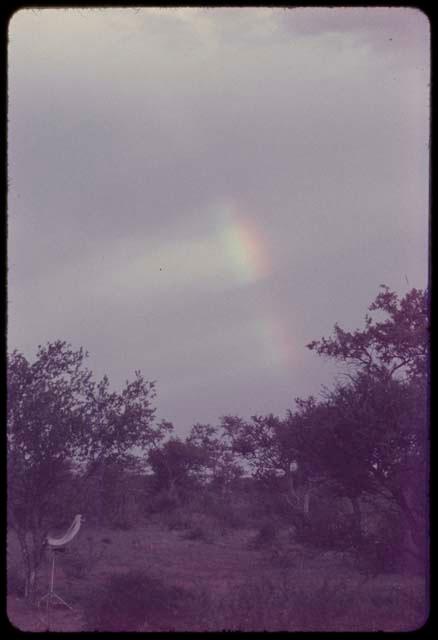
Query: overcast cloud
[[198, 193]]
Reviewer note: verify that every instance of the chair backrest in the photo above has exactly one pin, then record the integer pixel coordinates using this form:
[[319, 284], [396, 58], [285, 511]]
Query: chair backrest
[[68, 535]]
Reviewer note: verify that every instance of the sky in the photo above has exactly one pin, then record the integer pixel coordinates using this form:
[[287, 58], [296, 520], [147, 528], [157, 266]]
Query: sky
[[199, 193]]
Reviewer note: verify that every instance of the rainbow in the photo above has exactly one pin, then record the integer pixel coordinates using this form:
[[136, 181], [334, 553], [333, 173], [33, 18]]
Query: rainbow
[[245, 248], [246, 251], [273, 335]]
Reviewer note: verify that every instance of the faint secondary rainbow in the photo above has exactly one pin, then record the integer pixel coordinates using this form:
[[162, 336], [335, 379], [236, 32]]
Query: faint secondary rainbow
[[274, 336], [247, 253]]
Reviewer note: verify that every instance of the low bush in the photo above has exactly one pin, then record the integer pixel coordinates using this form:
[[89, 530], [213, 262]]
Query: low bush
[[201, 527], [373, 556], [233, 508], [327, 531], [228, 516], [177, 520], [266, 536], [200, 532], [161, 502], [136, 601]]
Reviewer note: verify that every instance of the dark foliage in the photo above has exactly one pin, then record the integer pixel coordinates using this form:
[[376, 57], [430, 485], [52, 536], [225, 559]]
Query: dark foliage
[[134, 601]]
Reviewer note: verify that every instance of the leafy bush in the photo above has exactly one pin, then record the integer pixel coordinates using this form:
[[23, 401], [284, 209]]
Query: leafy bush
[[327, 531], [196, 526], [199, 526], [200, 532], [177, 520], [231, 512], [284, 556], [381, 549], [136, 601], [161, 502], [266, 535], [228, 516], [374, 556]]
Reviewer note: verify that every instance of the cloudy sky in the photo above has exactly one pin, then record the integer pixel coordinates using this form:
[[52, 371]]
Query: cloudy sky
[[198, 193]]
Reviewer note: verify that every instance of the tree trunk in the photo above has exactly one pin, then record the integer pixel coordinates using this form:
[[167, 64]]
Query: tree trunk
[[32, 553], [30, 585], [416, 528], [292, 494], [306, 501], [173, 492], [298, 497], [29, 569]]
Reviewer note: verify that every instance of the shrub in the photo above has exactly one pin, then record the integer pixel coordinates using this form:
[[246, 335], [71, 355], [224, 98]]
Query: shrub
[[327, 531], [374, 556], [201, 533], [177, 520], [381, 549], [229, 512], [161, 502], [201, 527], [283, 556], [266, 535], [136, 601], [228, 516]]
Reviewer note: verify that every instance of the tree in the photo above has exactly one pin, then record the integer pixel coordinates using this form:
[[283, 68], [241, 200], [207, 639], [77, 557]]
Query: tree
[[59, 422], [176, 466], [221, 466], [377, 421], [265, 445], [255, 443], [302, 437], [114, 494], [394, 346]]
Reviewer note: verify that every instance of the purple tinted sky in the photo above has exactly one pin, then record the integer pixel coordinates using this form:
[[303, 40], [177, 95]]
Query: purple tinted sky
[[199, 193]]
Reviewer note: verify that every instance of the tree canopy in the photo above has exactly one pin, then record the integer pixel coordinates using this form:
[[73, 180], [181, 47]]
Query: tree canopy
[[60, 420]]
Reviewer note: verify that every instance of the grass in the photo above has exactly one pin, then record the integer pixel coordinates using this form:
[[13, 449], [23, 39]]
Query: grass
[[235, 586]]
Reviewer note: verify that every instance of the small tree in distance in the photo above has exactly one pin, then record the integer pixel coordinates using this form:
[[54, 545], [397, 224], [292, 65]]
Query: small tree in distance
[[176, 466], [222, 468]]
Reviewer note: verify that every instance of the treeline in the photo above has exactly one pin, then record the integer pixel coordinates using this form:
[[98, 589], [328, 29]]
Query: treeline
[[346, 470]]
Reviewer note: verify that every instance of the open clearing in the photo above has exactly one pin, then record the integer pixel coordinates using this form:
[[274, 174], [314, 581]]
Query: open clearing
[[387, 602]]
